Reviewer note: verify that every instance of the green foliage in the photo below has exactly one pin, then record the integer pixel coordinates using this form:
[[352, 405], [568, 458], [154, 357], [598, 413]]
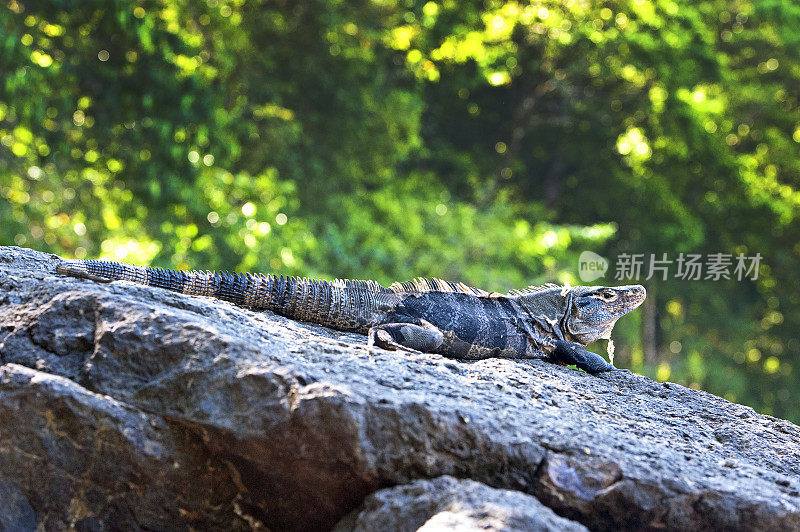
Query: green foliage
[[485, 142]]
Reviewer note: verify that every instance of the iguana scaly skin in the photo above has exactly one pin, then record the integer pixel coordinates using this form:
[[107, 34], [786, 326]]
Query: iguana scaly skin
[[423, 315]]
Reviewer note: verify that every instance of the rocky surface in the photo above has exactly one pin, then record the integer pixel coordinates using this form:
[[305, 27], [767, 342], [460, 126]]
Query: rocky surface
[[128, 407], [448, 503]]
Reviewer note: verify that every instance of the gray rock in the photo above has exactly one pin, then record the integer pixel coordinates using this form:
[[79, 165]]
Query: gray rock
[[445, 503], [124, 406], [16, 513]]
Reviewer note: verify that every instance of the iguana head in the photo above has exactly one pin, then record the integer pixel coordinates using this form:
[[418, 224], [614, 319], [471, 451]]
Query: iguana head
[[593, 310], [581, 313]]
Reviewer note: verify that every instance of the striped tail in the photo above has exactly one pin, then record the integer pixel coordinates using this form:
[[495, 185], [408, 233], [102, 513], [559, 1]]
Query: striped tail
[[340, 304]]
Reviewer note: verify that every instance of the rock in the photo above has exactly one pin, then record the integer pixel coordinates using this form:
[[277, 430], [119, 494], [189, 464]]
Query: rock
[[129, 407], [15, 509], [446, 503]]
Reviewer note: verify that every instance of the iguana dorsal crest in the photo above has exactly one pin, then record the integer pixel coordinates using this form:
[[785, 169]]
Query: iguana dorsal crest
[[534, 289], [433, 284], [372, 286]]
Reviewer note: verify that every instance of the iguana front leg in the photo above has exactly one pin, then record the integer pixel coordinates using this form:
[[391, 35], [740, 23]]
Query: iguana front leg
[[416, 338], [573, 353], [564, 352]]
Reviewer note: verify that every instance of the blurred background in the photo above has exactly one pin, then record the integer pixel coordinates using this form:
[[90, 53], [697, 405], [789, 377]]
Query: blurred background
[[484, 142]]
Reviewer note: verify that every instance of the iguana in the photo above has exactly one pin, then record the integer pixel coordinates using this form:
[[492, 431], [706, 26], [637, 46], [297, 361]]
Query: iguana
[[423, 315]]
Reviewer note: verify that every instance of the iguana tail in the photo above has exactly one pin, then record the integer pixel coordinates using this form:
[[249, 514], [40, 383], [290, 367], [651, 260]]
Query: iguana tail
[[340, 304]]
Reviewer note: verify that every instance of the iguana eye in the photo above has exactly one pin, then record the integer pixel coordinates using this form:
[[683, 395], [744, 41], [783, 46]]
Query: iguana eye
[[607, 295]]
